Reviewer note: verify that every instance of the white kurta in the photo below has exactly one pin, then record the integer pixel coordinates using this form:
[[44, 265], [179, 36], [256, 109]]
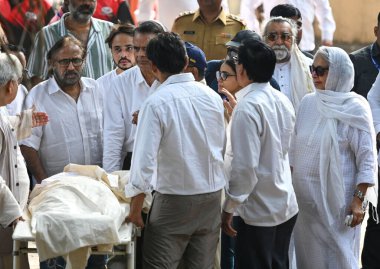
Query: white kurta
[[9, 208], [319, 245]]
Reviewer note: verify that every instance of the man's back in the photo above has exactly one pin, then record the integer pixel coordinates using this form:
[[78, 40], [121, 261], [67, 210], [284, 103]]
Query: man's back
[[187, 128]]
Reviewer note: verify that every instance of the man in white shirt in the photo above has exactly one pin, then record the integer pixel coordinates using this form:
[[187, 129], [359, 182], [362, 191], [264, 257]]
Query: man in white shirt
[[309, 9], [74, 134], [74, 105], [179, 140], [292, 66], [125, 96], [260, 184], [120, 42]]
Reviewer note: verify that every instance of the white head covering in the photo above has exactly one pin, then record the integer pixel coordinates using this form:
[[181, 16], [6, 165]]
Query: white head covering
[[337, 103]]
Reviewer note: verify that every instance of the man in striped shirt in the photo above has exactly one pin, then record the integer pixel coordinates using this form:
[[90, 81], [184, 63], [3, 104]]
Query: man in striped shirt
[[80, 24]]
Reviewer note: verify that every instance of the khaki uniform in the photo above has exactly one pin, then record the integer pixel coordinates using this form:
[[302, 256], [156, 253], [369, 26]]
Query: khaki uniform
[[211, 37]]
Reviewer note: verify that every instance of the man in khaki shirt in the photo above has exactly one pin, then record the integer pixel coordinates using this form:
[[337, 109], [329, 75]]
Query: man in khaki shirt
[[209, 28]]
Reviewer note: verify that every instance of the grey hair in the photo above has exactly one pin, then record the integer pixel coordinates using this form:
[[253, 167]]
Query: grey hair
[[280, 19], [323, 53], [10, 68]]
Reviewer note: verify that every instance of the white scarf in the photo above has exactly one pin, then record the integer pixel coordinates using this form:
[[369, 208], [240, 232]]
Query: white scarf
[[300, 78], [337, 103]]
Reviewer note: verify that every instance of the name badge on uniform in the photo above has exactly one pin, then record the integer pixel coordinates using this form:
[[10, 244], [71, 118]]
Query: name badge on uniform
[[107, 11], [189, 32]]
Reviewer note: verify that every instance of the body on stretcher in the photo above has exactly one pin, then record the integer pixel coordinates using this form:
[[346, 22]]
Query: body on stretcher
[[127, 234]]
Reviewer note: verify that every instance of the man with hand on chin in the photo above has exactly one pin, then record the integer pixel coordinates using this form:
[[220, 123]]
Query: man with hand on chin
[[292, 66]]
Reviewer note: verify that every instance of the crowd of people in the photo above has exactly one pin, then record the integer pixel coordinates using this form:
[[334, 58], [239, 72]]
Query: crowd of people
[[259, 152]]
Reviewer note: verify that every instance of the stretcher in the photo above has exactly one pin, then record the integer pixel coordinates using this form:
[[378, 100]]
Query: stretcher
[[127, 234]]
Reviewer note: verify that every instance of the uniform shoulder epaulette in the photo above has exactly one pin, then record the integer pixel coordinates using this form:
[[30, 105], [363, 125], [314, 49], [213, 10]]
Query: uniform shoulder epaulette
[[237, 18], [185, 13]]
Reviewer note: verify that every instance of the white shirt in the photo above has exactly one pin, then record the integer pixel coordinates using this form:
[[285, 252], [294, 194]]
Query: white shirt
[[16, 106], [9, 208], [74, 132], [180, 136], [260, 180], [308, 8], [282, 76], [167, 11], [125, 96], [105, 81]]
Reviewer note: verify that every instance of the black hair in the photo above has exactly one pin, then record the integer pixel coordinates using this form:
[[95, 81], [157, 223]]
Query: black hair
[[258, 59], [61, 43], [378, 19], [167, 51], [286, 11], [149, 27], [127, 29], [230, 63]]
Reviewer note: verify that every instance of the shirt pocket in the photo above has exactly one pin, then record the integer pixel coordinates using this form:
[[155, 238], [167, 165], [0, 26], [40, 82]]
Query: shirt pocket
[[223, 38], [189, 36]]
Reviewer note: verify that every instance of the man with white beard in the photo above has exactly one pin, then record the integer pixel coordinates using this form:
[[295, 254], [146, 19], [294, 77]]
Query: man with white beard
[[292, 67]]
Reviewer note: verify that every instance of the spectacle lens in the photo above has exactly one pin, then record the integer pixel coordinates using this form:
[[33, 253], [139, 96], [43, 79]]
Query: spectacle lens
[[274, 36], [318, 70], [66, 62], [223, 75]]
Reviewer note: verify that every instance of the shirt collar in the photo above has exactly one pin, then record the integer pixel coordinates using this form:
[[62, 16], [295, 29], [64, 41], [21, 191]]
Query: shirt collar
[[179, 78], [222, 16], [53, 86], [250, 88]]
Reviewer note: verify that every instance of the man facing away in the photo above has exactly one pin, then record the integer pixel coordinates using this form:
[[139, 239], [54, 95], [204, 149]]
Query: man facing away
[[292, 67], [179, 140], [260, 183]]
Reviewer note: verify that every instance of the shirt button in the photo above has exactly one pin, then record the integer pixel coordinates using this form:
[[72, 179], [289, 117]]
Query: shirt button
[[15, 147], [17, 184], [15, 165], [13, 130]]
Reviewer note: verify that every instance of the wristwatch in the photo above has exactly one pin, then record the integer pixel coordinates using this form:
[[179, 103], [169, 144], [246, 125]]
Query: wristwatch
[[358, 193]]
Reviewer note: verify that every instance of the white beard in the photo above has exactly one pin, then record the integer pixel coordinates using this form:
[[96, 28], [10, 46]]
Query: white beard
[[282, 53]]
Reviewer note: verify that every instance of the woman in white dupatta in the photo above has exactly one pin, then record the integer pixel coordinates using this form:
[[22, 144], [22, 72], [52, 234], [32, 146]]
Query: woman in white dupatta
[[334, 165]]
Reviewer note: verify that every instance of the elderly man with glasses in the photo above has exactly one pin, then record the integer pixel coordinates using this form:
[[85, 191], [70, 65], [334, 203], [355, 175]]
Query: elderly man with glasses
[[292, 67], [74, 134]]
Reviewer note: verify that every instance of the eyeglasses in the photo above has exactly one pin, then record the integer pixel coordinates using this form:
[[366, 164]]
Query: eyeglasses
[[318, 70], [75, 61], [274, 36], [223, 75]]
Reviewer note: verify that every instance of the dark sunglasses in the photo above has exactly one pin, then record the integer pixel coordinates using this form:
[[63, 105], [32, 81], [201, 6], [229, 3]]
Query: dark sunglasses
[[274, 36], [66, 62], [318, 70], [223, 75]]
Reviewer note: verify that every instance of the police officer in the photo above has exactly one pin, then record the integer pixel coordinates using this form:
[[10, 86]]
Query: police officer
[[209, 28]]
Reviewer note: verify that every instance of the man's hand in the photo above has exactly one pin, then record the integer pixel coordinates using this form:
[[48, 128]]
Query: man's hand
[[327, 43], [14, 223], [227, 224], [357, 212], [39, 119], [230, 103], [135, 117], [135, 211]]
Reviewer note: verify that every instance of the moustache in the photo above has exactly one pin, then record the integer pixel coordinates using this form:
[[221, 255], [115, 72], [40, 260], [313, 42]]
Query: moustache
[[69, 73], [86, 9], [124, 59]]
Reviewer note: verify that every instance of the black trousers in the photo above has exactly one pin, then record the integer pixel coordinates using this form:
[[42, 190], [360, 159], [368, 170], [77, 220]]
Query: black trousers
[[263, 247]]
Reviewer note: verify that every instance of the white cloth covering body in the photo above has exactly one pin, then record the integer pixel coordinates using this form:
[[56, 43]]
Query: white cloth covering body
[[9, 208], [126, 94], [74, 132], [180, 136], [259, 182], [72, 211], [166, 11], [319, 244], [308, 8]]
